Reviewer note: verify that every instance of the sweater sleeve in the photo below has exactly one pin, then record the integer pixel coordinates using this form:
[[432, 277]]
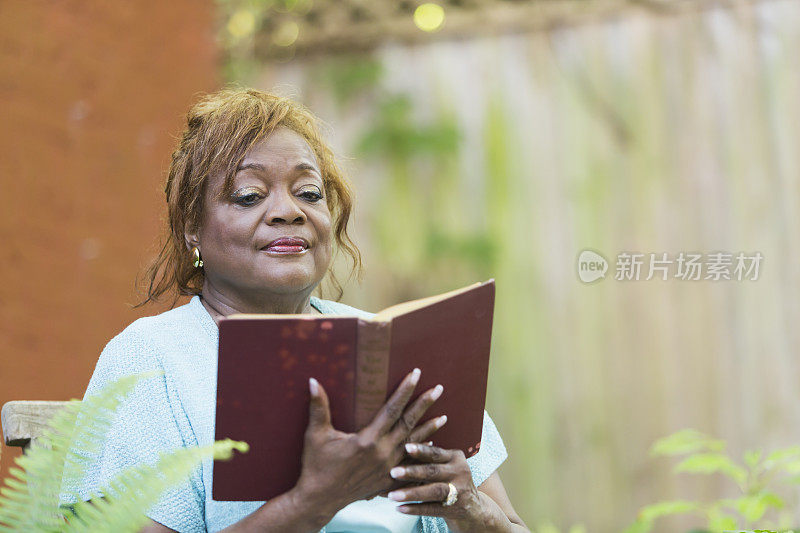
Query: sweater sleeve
[[144, 426], [490, 456]]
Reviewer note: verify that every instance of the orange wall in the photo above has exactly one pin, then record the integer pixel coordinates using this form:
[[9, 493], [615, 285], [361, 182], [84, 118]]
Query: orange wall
[[92, 94]]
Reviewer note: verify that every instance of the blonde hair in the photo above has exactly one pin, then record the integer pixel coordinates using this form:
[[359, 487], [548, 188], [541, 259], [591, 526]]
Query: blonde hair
[[220, 129]]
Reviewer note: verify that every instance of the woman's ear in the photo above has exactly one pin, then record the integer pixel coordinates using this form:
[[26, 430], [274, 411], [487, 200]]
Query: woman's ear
[[191, 237]]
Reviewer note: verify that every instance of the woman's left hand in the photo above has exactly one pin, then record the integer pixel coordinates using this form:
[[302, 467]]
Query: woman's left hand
[[472, 511]]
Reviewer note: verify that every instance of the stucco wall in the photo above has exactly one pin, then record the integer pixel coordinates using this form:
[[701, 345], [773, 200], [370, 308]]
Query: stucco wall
[[92, 94]]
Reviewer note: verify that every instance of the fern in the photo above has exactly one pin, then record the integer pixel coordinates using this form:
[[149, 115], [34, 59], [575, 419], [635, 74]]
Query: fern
[[135, 490], [29, 501]]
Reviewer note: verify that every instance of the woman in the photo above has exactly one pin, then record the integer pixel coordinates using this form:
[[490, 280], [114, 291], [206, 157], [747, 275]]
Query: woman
[[256, 203]]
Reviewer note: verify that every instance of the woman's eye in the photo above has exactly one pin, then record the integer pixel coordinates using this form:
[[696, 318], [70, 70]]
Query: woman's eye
[[311, 196], [248, 199]]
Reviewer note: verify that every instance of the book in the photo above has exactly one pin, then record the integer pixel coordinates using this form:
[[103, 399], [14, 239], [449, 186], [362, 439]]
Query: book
[[265, 362]]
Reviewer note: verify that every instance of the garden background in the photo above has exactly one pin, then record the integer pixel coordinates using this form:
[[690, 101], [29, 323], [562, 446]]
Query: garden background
[[500, 144]]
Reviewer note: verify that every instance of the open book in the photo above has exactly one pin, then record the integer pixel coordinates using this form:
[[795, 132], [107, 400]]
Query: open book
[[265, 362]]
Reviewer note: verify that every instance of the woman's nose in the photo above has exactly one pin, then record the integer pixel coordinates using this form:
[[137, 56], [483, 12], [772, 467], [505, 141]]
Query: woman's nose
[[283, 209]]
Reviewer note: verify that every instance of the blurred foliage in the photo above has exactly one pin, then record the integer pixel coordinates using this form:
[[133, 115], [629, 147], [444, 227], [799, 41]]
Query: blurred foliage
[[238, 23], [756, 478], [350, 78], [275, 26], [421, 220], [241, 21], [395, 136]]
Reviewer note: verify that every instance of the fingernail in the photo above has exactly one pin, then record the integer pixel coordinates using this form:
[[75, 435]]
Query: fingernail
[[411, 447], [437, 391], [313, 385], [397, 495], [429, 443], [403, 509], [415, 375], [397, 472], [441, 420]]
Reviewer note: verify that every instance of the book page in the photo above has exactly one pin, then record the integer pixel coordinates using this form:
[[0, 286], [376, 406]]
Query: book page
[[405, 307]]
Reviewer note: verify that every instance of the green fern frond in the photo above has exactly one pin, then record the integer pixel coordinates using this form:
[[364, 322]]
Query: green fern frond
[[131, 493], [92, 424], [29, 501], [72, 436]]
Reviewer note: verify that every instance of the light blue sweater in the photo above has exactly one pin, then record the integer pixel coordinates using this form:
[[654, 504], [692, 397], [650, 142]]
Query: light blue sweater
[[178, 409]]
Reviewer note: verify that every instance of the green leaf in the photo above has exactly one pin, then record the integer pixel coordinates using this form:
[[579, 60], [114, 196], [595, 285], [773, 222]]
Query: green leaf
[[651, 512], [753, 507], [547, 527], [710, 463], [686, 441], [719, 521], [792, 467], [782, 455], [752, 457], [640, 526], [773, 500]]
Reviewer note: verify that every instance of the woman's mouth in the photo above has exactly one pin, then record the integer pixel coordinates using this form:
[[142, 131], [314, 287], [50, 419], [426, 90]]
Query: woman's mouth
[[287, 245]]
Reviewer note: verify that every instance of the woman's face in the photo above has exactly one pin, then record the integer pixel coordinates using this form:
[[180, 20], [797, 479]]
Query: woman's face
[[277, 193]]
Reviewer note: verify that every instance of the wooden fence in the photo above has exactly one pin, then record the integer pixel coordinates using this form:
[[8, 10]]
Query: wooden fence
[[652, 131]]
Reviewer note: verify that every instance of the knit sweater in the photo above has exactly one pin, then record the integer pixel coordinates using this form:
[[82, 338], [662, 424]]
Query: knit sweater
[[177, 409]]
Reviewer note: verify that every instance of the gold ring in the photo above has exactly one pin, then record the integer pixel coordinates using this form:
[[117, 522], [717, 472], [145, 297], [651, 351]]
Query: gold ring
[[452, 496]]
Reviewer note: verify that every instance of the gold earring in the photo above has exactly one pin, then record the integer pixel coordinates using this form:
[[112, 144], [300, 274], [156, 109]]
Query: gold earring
[[198, 263]]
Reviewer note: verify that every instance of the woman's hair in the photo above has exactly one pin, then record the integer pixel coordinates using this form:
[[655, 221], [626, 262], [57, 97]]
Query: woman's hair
[[220, 129]]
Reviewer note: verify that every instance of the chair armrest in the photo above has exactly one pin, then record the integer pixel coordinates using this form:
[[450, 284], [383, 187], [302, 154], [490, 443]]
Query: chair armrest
[[25, 421]]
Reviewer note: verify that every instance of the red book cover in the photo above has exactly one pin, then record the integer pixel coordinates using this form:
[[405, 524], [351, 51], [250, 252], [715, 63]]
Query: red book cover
[[265, 362]]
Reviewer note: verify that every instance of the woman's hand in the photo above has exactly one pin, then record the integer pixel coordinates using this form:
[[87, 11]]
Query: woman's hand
[[472, 511], [340, 468]]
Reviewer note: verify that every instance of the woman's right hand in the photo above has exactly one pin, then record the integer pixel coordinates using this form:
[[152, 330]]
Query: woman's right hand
[[339, 468]]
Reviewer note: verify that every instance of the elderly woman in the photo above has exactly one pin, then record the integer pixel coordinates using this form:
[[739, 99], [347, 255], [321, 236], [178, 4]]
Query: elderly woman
[[256, 205]]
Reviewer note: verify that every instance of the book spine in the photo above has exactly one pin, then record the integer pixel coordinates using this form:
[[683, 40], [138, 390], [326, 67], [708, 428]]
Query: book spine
[[372, 369]]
